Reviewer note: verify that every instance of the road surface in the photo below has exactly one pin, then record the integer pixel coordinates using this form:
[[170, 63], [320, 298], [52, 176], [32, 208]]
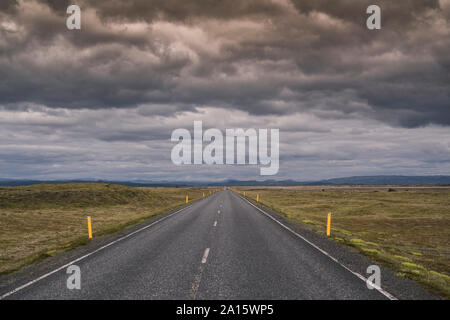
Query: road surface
[[220, 247]]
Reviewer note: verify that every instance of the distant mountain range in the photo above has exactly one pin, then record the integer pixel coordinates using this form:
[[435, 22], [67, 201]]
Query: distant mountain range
[[358, 180]]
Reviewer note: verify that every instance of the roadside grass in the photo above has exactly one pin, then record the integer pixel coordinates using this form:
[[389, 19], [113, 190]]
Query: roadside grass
[[406, 228], [44, 220]]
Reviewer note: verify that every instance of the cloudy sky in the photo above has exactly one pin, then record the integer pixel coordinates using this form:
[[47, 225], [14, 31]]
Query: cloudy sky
[[102, 102]]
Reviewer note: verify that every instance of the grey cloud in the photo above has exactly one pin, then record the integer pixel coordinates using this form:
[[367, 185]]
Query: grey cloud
[[46, 143], [182, 10], [242, 55], [395, 13], [102, 102], [8, 5]]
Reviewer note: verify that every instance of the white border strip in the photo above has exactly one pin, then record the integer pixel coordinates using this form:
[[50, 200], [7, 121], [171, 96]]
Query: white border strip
[[382, 291], [89, 254]]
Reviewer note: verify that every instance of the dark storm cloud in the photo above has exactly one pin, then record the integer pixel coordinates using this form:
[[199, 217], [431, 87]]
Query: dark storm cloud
[[263, 57], [7, 5], [395, 13], [176, 10]]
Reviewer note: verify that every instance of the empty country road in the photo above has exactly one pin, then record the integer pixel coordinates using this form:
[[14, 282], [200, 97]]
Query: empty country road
[[220, 247]]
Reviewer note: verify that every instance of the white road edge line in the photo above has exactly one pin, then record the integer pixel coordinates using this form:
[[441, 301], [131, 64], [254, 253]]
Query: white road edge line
[[215, 224], [87, 255], [382, 291], [205, 256]]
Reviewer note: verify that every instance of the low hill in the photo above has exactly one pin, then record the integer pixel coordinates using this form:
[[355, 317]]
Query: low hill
[[390, 180], [356, 180], [75, 195]]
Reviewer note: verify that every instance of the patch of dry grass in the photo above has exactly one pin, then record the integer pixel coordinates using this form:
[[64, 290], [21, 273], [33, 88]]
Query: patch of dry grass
[[407, 229], [43, 220]]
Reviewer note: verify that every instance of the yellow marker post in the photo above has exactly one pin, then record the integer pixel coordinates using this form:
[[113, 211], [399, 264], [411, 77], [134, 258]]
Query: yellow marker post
[[329, 224], [187, 199], [257, 197], [89, 227]]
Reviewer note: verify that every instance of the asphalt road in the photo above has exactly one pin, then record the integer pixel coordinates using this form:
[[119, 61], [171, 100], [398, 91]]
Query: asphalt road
[[220, 247]]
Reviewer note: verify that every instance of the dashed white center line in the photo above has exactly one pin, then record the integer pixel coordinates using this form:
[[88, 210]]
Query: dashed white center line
[[218, 211], [205, 255], [215, 223]]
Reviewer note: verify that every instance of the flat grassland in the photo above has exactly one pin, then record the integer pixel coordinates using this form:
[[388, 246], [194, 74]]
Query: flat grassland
[[405, 228], [43, 220]]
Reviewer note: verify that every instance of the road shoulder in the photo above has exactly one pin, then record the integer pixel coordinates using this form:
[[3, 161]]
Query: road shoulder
[[31, 272]]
